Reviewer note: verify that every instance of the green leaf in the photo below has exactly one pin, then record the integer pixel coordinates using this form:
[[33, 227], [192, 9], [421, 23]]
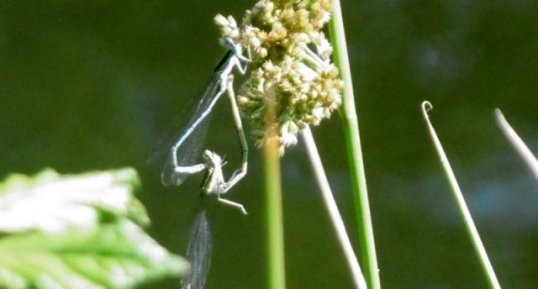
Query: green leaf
[[50, 202], [78, 231], [118, 255]]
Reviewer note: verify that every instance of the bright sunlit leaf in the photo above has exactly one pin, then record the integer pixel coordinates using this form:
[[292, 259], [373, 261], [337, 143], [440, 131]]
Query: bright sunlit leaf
[[78, 232]]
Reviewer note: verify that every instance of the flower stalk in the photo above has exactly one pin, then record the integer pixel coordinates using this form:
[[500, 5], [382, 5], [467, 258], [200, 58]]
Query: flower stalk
[[332, 208], [367, 249], [487, 267], [292, 85], [273, 199]]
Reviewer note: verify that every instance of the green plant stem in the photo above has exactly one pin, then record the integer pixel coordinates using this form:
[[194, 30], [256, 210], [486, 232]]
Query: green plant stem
[[458, 196], [273, 199], [516, 141], [351, 129], [332, 208]]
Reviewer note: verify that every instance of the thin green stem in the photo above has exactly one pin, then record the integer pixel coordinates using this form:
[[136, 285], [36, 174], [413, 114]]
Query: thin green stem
[[273, 199], [332, 208], [458, 196], [351, 129], [516, 141]]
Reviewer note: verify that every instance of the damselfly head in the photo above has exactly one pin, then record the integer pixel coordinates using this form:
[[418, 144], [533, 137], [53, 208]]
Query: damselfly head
[[236, 48], [230, 44]]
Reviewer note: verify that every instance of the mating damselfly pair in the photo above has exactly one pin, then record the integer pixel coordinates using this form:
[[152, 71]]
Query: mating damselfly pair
[[183, 157], [182, 160]]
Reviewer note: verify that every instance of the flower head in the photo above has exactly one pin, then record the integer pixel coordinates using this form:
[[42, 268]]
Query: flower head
[[290, 55]]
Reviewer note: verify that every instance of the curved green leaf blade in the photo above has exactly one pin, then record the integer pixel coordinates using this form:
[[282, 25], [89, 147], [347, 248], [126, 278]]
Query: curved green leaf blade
[[78, 231], [117, 255]]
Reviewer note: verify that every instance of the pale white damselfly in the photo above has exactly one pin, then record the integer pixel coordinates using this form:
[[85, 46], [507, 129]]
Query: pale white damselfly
[[200, 242], [182, 159]]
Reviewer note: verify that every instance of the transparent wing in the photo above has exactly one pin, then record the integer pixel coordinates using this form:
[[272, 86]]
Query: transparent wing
[[198, 252], [190, 141], [184, 149]]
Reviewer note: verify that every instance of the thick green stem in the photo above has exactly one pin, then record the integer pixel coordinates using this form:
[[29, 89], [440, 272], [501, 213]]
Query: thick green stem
[[351, 128], [273, 199]]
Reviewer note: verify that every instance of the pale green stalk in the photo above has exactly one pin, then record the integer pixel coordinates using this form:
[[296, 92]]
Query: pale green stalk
[[332, 208], [518, 144], [351, 128], [458, 196], [273, 200]]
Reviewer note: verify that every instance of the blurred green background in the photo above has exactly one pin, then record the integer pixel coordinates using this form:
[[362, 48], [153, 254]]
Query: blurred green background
[[87, 85]]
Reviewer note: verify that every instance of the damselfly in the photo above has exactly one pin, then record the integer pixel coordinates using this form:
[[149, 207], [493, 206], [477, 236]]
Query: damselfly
[[182, 159], [200, 244]]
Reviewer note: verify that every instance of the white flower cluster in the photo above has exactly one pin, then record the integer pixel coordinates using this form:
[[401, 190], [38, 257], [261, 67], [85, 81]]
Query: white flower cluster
[[290, 56]]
